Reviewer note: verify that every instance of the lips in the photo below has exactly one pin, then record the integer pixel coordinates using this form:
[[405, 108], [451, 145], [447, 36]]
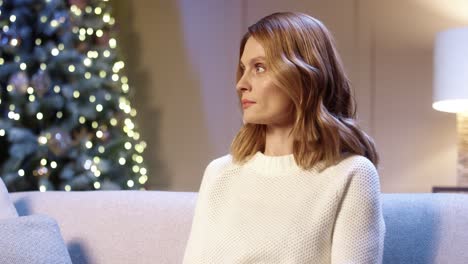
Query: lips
[[247, 103]]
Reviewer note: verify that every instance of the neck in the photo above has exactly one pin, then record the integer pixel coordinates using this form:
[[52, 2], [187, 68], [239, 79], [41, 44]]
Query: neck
[[278, 142]]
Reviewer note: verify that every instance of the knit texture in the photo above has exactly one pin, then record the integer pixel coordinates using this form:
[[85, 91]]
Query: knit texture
[[269, 210], [32, 239]]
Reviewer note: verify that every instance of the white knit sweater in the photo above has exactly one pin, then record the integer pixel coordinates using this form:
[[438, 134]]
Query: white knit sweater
[[269, 210]]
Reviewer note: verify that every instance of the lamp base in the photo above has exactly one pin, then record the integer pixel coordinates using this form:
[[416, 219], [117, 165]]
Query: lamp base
[[462, 165]]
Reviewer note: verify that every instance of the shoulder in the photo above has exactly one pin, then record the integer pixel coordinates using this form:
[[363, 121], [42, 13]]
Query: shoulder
[[358, 164], [219, 165], [356, 168], [360, 172]]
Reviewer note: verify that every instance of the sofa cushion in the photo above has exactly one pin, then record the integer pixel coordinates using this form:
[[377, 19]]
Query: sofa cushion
[[7, 209], [32, 239], [425, 228]]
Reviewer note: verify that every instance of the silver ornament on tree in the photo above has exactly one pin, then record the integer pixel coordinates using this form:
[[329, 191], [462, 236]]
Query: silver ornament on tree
[[41, 82], [20, 82], [59, 141]]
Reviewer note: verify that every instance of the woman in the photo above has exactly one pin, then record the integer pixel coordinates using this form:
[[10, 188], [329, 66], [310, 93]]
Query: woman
[[300, 184]]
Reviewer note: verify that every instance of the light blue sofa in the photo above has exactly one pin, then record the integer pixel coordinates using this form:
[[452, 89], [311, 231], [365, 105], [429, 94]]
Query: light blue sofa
[[113, 227]]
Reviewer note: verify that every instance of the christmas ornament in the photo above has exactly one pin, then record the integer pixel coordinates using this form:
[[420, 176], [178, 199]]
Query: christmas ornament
[[81, 4], [41, 172], [104, 39], [20, 82], [59, 141], [41, 82]]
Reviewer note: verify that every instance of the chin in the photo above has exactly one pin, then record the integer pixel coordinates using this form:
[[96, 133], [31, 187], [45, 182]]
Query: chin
[[253, 120]]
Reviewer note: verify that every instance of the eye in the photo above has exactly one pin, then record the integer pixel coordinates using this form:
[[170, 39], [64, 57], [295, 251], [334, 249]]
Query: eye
[[259, 68]]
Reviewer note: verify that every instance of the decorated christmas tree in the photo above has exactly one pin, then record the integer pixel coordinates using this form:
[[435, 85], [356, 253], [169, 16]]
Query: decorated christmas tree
[[66, 122]]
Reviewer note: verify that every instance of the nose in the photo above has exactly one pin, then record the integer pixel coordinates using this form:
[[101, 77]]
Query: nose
[[243, 84]]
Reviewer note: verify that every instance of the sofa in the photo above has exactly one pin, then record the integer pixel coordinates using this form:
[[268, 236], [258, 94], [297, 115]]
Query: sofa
[[112, 227]]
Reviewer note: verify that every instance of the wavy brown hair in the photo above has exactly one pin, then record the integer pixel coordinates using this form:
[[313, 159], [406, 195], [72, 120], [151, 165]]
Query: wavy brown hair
[[305, 64]]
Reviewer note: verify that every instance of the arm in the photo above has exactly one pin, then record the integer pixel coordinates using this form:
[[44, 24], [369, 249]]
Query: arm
[[358, 236]]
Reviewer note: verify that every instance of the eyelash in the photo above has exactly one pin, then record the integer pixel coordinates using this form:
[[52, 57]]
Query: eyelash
[[257, 65]]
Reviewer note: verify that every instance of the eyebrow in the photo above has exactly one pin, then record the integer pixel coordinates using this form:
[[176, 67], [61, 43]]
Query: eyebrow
[[253, 59]]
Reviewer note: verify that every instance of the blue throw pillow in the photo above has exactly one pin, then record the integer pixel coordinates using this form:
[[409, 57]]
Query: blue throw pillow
[[32, 239]]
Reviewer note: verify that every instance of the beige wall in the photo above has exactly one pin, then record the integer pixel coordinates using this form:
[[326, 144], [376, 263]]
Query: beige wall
[[181, 59]]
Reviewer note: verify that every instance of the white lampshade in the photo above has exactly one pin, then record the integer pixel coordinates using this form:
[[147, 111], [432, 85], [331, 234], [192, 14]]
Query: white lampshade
[[451, 71]]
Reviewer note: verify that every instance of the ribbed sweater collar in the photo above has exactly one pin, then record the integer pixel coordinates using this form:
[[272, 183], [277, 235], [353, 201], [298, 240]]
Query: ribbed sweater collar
[[272, 165]]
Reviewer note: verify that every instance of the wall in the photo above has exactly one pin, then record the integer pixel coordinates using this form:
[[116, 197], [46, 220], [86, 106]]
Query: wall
[[181, 59]]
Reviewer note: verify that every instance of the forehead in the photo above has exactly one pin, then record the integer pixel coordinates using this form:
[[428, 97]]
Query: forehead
[[252, 49]]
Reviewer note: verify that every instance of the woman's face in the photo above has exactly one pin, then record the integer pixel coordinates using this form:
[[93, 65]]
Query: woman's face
[[262, 101]]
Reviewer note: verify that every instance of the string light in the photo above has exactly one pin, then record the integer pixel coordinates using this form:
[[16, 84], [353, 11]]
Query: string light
[[125, 88], [143, 179], [87, 164], [2, 132], [53, 164], [99, 107], [42, 140], [39, 116], [82, 119], [97, 185], [122, 161], [130, 183], [42, 188], [21, 172], [97, 10], [101, 149], [112, 43], [87, 62], [113, 121], [54, 52], [128, 145], [139, 159], [54, 23], [106, 18], [67, 188]]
